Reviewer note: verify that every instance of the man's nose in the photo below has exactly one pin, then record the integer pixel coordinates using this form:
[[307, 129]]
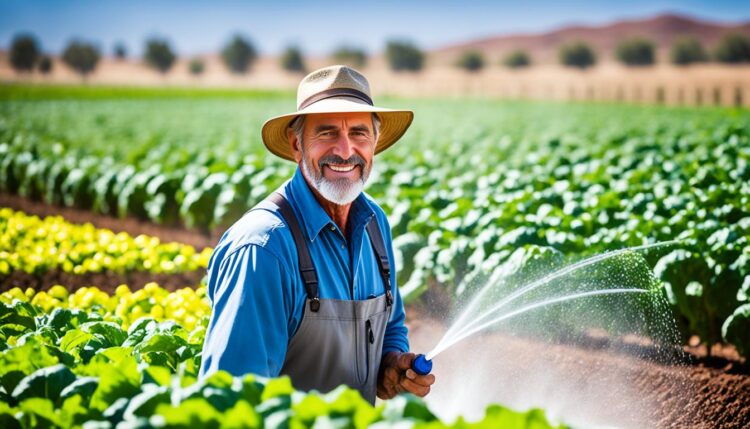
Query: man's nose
[[344, 147]]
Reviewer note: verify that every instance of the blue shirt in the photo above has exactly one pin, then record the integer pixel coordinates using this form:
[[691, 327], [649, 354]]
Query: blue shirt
[[256, 291]]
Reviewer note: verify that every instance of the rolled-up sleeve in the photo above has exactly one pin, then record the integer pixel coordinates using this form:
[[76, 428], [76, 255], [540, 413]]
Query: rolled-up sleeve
[[251, 307]]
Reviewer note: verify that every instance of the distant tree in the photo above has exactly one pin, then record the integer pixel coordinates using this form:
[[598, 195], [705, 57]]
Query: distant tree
[[24, 52], [239, 54], [350, 55], [403, 55], [81, 57], [733, 48], [687, 50], [636, 52], [291, 59], [471, 60], [121, 52], [45, 64], [517, 59], [577, 54], [196, 66], [159, 54]]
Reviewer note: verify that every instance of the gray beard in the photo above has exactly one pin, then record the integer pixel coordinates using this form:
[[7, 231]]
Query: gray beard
[[341, 191]]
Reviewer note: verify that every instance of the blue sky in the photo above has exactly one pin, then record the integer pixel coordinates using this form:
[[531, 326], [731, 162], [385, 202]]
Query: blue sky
[[196, 27]]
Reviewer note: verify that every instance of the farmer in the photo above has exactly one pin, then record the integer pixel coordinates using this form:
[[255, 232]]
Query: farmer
[[302, 284]]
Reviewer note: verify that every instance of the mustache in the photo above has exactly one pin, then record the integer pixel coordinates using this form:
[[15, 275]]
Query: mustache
[[335, 159]]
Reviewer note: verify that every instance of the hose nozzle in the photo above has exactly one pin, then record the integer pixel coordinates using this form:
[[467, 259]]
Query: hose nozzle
[[421, 365]]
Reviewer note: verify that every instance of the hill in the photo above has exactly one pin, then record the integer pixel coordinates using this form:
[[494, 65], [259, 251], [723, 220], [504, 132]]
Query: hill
[[543, 47]]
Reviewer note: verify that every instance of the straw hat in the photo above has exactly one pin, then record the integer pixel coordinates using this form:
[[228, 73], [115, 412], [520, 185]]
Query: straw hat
[[335, 89]]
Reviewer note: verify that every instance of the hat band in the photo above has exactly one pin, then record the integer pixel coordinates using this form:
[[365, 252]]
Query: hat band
[[336, 92]]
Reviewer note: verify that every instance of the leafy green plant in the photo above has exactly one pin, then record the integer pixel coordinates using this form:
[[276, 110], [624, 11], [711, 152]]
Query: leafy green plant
[[57, 371], [35, 246]]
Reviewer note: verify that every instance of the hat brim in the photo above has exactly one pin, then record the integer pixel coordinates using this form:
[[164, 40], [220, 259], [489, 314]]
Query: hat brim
[[393, 123]]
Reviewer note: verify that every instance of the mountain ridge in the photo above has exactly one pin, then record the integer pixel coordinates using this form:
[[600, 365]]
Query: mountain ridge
[[662, 29]]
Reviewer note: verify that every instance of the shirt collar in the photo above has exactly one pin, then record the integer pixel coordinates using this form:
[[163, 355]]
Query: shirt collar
[[311, 215]]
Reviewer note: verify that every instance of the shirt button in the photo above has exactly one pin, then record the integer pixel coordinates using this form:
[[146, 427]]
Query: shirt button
[[343, 246], [333, 228]]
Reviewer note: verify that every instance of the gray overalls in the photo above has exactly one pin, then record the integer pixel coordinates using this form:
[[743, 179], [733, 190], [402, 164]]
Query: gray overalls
[[338, 341]]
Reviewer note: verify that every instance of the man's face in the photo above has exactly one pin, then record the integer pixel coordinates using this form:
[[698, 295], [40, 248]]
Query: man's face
[[336, 153]]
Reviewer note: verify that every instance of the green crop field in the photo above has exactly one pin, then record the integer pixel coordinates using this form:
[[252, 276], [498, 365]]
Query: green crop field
[[472, 183]]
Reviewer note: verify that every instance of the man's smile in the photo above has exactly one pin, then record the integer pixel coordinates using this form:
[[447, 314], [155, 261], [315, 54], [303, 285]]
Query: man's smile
[[341, 168]]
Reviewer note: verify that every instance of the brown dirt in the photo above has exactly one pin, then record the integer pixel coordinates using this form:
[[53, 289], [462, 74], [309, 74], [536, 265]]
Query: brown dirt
[[130, 225], [105, 281], [596, 384]]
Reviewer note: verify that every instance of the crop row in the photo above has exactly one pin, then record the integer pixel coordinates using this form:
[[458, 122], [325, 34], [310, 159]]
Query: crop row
[[34, 245], [56, 370], [473, 182]]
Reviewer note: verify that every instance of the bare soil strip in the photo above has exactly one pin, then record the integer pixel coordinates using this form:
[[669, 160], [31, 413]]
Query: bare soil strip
[[588, 386]]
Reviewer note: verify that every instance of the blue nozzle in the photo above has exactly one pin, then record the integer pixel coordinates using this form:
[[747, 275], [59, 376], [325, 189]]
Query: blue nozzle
[[421, 365]]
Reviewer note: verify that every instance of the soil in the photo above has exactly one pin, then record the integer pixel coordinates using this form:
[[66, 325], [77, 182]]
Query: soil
[[588, 384]]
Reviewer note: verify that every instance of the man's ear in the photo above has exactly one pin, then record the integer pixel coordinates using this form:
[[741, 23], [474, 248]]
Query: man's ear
[[294, 145]]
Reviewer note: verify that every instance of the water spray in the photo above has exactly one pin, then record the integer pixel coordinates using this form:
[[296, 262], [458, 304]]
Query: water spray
[[464, 327]]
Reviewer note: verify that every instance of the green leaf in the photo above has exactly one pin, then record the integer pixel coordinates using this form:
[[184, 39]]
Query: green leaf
[[7, 417], [114, 412], [310, 407], [123, 383], [251, 389], [281, 386], [111, 331], [83, 386], [407, 406], [18, 362], [156, 375], [139, 330], [192, 413], [17, 314], [144, 404], [241, 416], [44, 383], [736, 329], [73, 340], [40, 413], [74, 411]]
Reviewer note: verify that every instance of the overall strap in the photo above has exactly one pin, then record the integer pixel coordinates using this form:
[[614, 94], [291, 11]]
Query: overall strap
[[378, 245], [306, 267]]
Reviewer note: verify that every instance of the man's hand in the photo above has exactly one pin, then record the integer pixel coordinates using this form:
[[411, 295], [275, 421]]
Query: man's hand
[[396, 376]]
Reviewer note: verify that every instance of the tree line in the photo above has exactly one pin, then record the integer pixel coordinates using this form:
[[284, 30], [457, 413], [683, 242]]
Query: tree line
[[733, 48], [239, 55]]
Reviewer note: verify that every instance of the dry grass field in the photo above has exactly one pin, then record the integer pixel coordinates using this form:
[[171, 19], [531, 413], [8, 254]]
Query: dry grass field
[[709, 84]]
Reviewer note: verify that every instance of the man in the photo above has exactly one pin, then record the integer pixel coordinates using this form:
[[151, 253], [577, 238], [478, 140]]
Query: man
[[301, 285]]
